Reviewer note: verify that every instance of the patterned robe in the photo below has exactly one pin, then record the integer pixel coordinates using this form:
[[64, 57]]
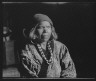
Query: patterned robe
[[34, 66]]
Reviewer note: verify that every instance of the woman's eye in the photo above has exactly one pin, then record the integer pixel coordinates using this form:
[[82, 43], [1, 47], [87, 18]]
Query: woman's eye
[[40, 27], [48, 27]]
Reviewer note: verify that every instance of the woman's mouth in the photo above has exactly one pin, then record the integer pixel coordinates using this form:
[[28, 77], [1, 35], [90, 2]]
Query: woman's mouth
[[45, 34]]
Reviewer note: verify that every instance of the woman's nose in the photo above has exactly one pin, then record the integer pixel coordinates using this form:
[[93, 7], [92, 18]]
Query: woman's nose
[[45, 29]]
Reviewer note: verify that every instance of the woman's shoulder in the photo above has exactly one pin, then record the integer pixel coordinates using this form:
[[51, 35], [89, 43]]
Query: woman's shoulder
[[27, 49], [58, 43], [29, 45]]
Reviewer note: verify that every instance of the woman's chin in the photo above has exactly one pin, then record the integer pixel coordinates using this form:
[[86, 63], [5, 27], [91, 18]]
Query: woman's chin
[[45, 40]]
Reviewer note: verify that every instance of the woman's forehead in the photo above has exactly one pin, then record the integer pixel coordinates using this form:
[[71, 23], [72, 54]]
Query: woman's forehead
[[45, 23]]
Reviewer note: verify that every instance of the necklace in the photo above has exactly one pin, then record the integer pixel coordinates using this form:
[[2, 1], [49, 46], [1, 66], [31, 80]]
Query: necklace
[[43, 55]]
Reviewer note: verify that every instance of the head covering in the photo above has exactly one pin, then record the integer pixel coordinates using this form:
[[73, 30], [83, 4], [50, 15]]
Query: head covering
[[41, 17]]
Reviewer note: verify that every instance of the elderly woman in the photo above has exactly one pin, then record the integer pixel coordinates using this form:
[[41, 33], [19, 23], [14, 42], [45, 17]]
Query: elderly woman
[[44, 56]]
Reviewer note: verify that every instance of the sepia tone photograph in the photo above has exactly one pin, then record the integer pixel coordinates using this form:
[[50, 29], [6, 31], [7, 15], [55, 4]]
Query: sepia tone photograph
[[53, 40]]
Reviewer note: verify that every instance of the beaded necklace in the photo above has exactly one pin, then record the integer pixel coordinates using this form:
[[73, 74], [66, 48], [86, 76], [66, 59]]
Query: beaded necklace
[[43, 55]]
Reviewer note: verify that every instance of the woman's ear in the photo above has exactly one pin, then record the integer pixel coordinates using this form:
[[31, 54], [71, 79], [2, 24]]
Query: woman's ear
[[24, 34]]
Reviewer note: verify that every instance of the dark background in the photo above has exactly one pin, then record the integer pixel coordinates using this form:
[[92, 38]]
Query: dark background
[[74, 24]]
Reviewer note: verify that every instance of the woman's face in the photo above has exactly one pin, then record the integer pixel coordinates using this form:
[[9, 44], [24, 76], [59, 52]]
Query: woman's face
[[44, 31]]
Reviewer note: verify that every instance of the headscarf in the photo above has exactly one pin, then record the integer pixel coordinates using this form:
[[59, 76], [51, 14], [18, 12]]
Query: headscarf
[[41, 17]]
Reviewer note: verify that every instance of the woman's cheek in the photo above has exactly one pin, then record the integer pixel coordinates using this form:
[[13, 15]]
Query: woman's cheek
[[40, 31]]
